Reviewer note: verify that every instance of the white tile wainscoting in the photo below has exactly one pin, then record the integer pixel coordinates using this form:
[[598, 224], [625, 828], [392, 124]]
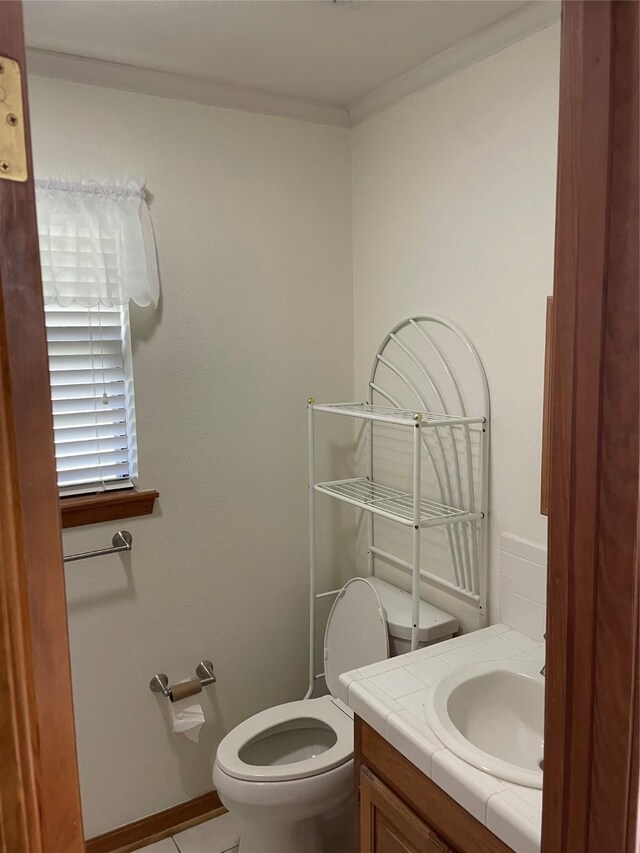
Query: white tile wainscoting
[[523, 585]]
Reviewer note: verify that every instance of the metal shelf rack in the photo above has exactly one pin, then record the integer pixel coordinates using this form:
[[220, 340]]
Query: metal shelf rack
[[393, 503], [417, 364]]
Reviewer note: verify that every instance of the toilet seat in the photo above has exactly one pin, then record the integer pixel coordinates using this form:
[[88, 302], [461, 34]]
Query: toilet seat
[[324, 710]]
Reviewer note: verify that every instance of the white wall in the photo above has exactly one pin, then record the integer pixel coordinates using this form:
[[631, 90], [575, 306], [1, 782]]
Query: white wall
[[252, 217], [453, 213]]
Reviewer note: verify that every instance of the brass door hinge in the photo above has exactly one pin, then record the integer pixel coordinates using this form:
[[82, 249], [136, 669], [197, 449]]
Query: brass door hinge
[[13, 152]]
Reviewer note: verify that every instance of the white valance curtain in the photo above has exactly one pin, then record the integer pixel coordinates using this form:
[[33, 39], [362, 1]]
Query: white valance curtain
[[96, 244]]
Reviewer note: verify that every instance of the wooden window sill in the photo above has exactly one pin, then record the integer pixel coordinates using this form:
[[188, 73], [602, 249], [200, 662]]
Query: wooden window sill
[[108, 506]]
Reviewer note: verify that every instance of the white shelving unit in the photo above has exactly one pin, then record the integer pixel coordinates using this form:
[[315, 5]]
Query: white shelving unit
[[417, 363], [393, 504]]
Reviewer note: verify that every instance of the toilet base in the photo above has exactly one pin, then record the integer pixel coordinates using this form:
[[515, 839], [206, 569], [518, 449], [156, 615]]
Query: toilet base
[[329, 833]]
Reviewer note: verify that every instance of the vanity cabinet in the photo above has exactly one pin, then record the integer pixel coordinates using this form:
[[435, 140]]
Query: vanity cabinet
[[400, 810], [387, 825]]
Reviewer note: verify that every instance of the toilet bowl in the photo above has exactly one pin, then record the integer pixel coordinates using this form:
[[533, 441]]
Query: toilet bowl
[[286, 774]]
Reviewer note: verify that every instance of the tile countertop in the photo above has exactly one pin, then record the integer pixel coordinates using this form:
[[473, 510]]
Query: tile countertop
[[389, 697]]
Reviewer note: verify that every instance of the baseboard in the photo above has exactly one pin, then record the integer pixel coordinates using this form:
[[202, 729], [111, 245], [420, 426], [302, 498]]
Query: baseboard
[[157, 826]]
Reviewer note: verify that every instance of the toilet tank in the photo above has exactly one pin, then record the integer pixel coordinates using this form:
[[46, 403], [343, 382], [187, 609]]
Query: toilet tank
[[435, 624]]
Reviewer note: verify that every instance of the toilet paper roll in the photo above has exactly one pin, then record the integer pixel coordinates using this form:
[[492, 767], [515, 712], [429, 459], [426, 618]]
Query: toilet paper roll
[[185, 688], [187, 718]]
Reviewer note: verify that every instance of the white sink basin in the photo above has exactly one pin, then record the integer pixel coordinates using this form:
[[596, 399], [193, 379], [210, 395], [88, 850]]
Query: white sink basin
[[491, 715]]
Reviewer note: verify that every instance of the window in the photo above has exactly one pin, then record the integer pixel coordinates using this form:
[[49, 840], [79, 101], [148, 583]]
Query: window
[[97, 253], [92, 397]]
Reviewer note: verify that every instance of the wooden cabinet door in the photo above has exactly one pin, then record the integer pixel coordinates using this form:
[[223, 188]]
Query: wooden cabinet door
[[387, 825]]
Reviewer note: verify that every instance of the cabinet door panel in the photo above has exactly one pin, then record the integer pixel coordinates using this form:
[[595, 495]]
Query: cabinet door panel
[[387, 825]]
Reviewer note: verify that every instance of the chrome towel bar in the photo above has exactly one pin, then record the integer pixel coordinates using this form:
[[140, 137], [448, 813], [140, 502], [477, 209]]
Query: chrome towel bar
[[122, 541]]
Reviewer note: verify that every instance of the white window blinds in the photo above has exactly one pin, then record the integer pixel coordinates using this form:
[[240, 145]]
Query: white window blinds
[[92, 397], [97, 252]]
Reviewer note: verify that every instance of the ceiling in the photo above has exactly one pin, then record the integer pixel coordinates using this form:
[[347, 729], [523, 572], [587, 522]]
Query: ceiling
[[319, 50]]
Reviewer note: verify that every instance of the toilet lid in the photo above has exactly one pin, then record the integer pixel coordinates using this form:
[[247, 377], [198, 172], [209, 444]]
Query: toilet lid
[[356, 633]]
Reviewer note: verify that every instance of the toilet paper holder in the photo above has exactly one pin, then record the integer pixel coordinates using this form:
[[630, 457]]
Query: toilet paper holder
[[205, 676]]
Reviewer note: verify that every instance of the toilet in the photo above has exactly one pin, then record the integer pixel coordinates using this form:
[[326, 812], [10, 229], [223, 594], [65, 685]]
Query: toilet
[[286, 774]]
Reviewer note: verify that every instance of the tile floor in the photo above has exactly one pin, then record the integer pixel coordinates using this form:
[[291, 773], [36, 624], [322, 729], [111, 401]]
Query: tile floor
[[218, 835]]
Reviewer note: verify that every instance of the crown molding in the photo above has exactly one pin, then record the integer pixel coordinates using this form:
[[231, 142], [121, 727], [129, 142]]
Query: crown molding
[[535, 16], [130, 78], [532, 18]]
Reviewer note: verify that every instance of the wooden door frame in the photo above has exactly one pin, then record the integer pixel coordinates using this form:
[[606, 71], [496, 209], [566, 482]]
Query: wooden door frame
[[39, 798], [591, 769], [591, 796]]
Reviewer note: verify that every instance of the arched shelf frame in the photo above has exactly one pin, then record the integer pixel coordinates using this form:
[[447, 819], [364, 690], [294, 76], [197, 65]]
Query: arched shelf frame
[[456, 482]]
